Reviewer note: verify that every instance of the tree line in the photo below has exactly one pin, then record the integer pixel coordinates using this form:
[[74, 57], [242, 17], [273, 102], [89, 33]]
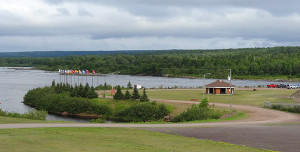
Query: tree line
[[275, 61]]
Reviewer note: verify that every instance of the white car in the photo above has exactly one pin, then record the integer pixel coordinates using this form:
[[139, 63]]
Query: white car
[[290, 86]]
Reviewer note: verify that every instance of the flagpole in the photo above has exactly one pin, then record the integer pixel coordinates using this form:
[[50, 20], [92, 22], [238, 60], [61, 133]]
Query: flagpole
[[92, 80], [71, 79], [86, 78]]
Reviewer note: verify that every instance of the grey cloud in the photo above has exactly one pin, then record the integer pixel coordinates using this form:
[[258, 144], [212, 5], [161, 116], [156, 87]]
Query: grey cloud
[[54, 2], [154, 24], [276, 7], [83, 12], [63, 11]]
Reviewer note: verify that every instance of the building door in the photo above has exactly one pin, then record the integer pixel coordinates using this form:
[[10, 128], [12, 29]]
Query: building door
[[211, 91]]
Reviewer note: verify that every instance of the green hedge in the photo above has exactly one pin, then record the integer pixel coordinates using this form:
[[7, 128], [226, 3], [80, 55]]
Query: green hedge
[[148, 111], [46, 99]]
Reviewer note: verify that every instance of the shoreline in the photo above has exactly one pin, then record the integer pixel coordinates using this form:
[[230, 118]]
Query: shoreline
[[165, 76]]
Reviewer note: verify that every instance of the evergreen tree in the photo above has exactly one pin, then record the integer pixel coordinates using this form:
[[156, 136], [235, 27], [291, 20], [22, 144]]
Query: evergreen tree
[[129, 86], [71, 88], [53, 83], [135, 94], [144, 96], [63, 87], [127, 95], [57, 88], [119, 95], [85, 90], [80, 91], [92, 93], [76, 91]]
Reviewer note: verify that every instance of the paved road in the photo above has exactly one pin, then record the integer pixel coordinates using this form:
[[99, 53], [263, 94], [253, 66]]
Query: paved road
[[285, 137]]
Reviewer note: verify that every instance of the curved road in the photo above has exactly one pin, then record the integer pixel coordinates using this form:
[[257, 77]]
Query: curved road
[[256, 115]]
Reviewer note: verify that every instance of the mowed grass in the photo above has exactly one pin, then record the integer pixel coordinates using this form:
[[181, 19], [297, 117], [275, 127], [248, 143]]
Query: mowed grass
[[9, 120], [105, 140], [244, 97]]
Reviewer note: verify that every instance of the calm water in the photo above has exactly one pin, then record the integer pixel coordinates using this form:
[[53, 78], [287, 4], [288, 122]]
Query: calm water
[[15, 83]]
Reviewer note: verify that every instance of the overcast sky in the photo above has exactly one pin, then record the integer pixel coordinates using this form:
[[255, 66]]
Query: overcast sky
[[46, 25]]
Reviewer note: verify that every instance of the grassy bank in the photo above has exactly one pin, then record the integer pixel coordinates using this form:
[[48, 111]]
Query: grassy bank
[[105, 139], [245, 97], [10, 120]]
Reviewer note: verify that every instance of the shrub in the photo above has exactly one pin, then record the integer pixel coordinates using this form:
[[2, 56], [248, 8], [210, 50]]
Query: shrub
[[142, 112], [38, 115], [99, 120], [198, 112], [204, 103]]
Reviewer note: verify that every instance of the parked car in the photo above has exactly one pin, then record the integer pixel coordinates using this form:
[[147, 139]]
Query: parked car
[[272, 86], [290, 86], [281, 86]]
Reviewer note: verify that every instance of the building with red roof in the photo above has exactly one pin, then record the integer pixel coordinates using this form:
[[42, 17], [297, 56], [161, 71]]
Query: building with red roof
[[219, 87]]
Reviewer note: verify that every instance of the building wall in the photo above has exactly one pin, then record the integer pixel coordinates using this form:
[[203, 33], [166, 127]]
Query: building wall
[[218, 91], [228, 90]]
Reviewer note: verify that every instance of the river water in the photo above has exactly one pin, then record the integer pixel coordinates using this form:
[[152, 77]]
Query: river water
[[15, 83]]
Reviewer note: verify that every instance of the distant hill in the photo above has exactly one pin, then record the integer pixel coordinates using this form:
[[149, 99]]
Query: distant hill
[[65, 53]]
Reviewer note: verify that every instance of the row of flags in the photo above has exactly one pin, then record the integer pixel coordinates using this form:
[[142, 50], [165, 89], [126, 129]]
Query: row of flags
[[75, 71]]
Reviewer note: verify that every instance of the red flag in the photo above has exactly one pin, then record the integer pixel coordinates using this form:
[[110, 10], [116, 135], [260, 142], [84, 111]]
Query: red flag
[[87, 71], [94, 72]]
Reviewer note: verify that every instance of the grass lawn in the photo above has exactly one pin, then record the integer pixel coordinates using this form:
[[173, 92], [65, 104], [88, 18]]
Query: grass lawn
[[105, 139], [9, 120], [245, 97]]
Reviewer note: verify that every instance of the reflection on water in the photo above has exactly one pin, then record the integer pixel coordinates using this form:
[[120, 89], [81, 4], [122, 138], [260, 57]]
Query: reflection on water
[[15, 83]]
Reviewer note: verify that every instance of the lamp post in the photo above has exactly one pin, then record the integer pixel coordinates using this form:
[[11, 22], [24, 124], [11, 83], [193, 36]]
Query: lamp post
[[203, 84], [230, 90]]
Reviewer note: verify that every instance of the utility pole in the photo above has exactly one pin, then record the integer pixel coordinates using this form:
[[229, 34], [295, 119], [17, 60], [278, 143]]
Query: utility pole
[[230, 91], [203, 84]]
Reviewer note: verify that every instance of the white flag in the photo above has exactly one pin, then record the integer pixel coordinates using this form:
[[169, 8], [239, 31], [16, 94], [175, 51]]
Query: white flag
[[229, 78]]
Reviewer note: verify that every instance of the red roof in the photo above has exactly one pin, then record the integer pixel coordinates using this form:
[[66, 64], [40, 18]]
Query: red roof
[[220, 84]]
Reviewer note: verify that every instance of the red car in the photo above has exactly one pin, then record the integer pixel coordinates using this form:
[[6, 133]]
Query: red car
[[272, 86]]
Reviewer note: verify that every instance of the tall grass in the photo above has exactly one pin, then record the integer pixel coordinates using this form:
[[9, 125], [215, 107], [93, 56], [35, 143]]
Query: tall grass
[[37, 115], [283, 107]]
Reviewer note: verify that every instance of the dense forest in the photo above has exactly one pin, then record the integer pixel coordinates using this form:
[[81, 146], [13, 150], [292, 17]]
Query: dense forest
[[245, 62]]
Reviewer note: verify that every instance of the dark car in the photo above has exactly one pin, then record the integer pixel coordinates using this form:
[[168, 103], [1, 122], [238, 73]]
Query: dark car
[[281, 86]]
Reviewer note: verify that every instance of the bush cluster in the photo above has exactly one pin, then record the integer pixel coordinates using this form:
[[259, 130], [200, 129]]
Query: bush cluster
[[61, 98], [148, 111], [47, 99], [37, 115], [198, 112]]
